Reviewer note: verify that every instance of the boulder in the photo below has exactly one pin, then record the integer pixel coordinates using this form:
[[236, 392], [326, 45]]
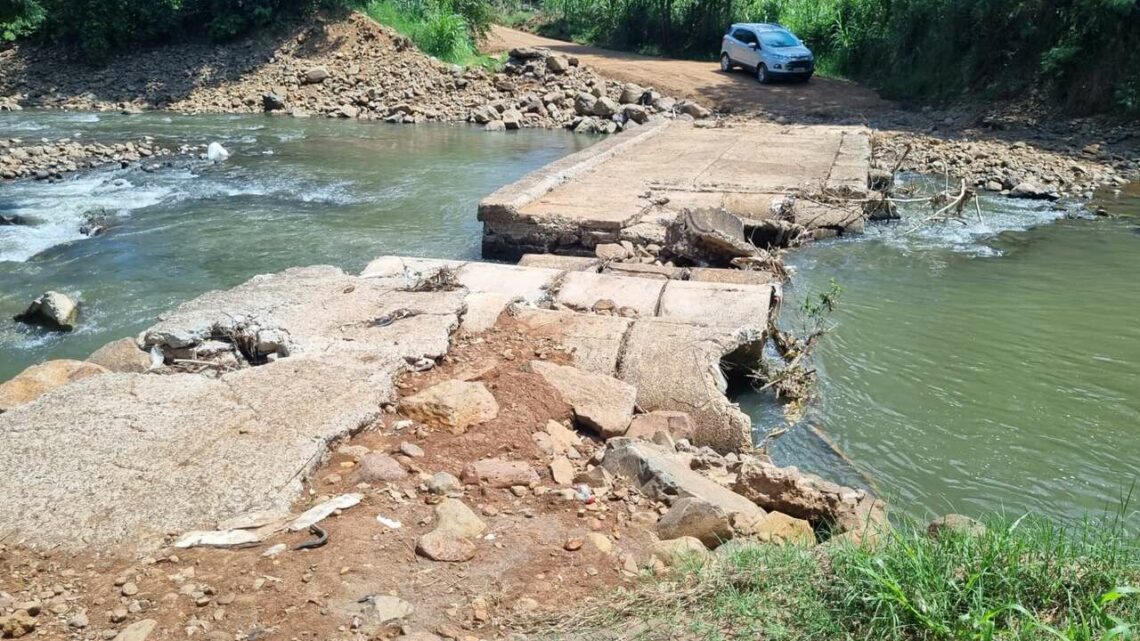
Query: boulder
[[955, 524], [562, 470], [663, 476], [272, 102], [316, 75], [441, 545], [678, 425], [584, 103], [605, 107], [499, 473], [443, 483], [636, 113], [690, 108], [512, 119], [37, 380], [375, 467], [558, 64], [778, 528], [53, 310], [701, 520], [456, 405], [453, 515], [562, 438], [631, 93], [600, 403], [17, 624], [676, 551], [123, 356], [809, 497], [610, 251], [1034, 191], [529, 53]]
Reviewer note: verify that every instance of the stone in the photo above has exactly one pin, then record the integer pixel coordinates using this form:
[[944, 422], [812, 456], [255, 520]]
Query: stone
[[631, 93], [272, 102], [584, 104], [698, 519], [441, 545], [316, 75], [452, 515], [78, 620], [137, 631], [610, 251], [677, 425], [379, 468], [597, 478], [708, 236], [411, 450], [680, 550], [528, 53], [573, 544], [443, 483], [1034, 191], [123, 355], [690, 108], [16, 625], [600, 403], [382, 608], [495, 125], [499, 473], [605, 108], [600, 542], [38, 380], [955, 525], [662, 476], [512, 119], [52, 310], [562, 438], [562, 470], [778, 528], [809, 497], [558, 64], [457, 405], [636, 113]]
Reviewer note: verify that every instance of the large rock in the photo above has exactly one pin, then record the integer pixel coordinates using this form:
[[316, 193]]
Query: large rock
[[499, 473], [678, 425], [558, 64], [696, 518], [456, 405], [955, 524], [662, 476], [441, 545], [123, 356], [137, 631], [316, 75], [676, 551], [453, 515], [600, 403], [37, 380], [631, 93], [778, 528], [605, 107], [53, 310], [1033, 191], [809, 497], [375, 467]]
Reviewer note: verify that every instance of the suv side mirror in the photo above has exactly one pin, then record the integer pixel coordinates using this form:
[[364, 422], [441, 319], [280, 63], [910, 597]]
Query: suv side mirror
[[754, 45]]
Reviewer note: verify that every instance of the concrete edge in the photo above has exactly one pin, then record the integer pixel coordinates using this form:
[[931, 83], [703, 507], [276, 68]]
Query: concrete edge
[[508, 200]]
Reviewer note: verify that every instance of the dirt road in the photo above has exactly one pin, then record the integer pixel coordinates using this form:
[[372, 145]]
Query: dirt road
[[737, 92]]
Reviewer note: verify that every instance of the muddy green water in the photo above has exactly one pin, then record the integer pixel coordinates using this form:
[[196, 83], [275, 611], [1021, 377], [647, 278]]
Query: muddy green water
[[295, 192], [993, 367], [979, 368]]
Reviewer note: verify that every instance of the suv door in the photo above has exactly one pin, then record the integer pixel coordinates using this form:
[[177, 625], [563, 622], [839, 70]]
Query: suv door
[[748, 49]]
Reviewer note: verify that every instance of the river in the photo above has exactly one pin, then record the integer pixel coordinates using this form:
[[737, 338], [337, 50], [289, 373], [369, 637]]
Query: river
[[295, 192], [994, 366]]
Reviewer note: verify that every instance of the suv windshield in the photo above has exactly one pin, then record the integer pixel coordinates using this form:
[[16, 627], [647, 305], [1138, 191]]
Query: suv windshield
[[778, 39]]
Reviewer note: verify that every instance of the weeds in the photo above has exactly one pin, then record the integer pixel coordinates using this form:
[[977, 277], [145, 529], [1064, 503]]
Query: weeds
[[1025, 580]]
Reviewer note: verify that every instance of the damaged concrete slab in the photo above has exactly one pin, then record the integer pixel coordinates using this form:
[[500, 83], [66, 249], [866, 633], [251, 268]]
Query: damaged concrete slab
[[628, 191]]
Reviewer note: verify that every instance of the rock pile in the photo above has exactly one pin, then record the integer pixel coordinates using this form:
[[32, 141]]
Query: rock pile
[[46, 159], [353, 68]]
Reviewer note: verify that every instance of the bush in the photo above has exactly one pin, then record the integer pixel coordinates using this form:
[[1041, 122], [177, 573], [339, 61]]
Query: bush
[[446, 29]]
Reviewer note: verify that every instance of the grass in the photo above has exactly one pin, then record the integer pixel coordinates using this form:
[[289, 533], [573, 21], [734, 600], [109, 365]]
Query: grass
[[1026, 580], [433, 28]]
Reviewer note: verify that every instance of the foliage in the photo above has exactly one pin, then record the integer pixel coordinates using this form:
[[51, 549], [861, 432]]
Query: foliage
[[1086, 51], [1026, 580], [446, 29]]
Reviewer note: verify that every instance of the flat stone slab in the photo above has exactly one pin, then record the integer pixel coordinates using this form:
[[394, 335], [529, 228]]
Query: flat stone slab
[[584, 290], [624, 189]]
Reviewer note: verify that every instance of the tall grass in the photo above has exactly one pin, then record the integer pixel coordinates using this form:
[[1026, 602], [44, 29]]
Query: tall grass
[[1026, 580], [446, 29]]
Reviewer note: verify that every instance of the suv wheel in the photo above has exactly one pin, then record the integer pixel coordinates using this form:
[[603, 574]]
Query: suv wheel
[[762, 73], [725, 63]]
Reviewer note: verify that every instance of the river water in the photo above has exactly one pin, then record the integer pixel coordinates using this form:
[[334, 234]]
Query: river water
[[980, 368], [295, 192], [994, 366]]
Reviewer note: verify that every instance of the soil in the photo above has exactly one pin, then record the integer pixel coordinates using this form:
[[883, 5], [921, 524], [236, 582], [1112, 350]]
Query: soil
[[315, 594]]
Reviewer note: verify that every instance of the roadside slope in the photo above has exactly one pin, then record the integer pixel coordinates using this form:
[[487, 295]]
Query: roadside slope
[[737, 92]]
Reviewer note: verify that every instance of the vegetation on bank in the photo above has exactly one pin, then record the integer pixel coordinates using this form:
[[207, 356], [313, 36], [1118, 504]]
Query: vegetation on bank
[[1085, 53], [1025, 580]]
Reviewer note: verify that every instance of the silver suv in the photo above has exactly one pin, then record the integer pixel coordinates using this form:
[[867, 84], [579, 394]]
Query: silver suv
[[769, 49]]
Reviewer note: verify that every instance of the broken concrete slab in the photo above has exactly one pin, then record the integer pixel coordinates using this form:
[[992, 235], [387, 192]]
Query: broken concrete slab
[[483, 310], [661, 475], [564, 263], [736, 306], [584, 290], [620, 191], [595, 341], [600, 403]]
